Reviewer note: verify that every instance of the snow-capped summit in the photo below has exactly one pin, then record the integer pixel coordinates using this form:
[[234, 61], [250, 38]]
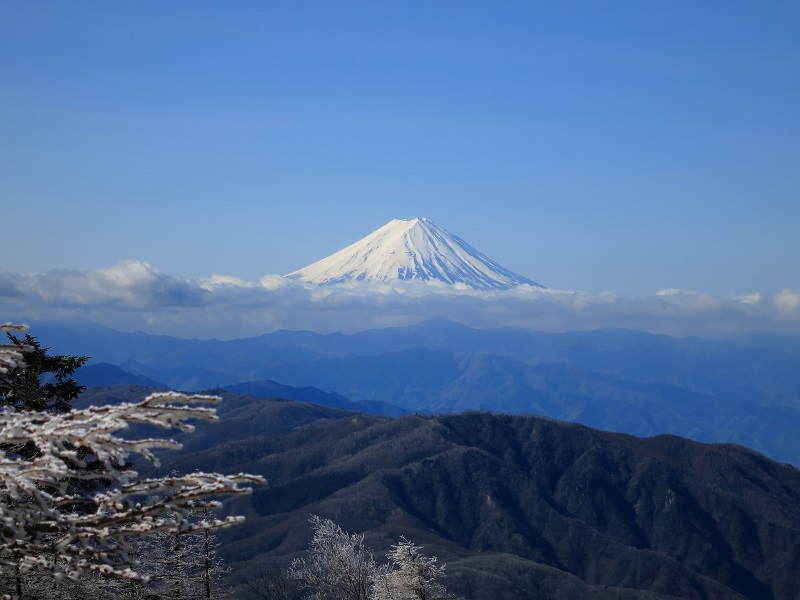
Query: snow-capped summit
[[411, 249]]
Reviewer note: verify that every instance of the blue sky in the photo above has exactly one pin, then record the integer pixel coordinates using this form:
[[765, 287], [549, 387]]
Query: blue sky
[[616, 146]]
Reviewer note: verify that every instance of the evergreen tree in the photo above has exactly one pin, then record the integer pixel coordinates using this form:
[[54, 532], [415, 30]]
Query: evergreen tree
[[44, 383]]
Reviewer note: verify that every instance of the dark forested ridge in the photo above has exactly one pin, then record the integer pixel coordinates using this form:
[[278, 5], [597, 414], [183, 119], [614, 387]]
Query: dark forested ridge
[[517, 506]]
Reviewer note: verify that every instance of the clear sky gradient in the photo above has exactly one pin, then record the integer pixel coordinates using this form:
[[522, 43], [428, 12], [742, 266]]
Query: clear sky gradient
[[592, 146]]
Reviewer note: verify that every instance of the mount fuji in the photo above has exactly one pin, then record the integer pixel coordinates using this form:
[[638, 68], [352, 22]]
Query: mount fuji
[[412, 249]]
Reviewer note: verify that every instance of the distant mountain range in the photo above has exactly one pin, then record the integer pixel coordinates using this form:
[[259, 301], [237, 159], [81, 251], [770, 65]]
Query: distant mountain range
[[745, 391], [519, 507], [105, 375], [412, 250]]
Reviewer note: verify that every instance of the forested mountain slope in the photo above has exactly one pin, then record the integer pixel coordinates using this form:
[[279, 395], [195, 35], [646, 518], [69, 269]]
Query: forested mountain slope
[[518, 506]]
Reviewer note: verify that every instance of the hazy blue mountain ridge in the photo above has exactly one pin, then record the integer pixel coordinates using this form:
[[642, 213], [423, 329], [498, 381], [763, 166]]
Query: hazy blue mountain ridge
[[743, 390]]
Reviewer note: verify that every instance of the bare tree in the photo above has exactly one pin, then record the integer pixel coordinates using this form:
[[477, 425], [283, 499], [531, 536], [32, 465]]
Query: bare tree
[[182, 565], [274, 583]]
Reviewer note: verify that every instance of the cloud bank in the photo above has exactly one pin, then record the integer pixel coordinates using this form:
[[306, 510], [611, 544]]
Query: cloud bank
[[133, 295]]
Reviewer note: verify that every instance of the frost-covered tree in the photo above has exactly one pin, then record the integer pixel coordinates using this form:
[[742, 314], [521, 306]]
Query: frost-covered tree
[[338, 566], [44, 383], [49, 525], [410, 575]]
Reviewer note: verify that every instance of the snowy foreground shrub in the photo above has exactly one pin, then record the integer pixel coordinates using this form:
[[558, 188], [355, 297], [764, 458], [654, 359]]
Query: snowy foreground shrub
[[410, 575], [339, 567], [49, 523]]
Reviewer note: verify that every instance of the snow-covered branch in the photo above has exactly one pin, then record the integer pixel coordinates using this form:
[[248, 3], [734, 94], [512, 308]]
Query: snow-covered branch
[[12, 355], [45, 522]]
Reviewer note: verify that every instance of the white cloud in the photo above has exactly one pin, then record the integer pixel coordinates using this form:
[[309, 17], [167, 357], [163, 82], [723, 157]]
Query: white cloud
[[127, 285], [674, 292], [788, 302], [753, 298], [218, 280], [135, 295]]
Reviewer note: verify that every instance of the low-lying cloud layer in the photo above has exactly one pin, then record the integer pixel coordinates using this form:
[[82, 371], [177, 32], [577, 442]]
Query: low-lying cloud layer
[[135, 296]]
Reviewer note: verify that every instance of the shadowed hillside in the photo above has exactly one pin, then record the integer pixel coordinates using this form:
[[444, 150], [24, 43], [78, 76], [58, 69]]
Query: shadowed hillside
[[517, 506]]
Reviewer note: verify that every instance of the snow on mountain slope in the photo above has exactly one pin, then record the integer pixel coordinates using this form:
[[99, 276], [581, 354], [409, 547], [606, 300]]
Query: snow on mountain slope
[[411, 249]]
